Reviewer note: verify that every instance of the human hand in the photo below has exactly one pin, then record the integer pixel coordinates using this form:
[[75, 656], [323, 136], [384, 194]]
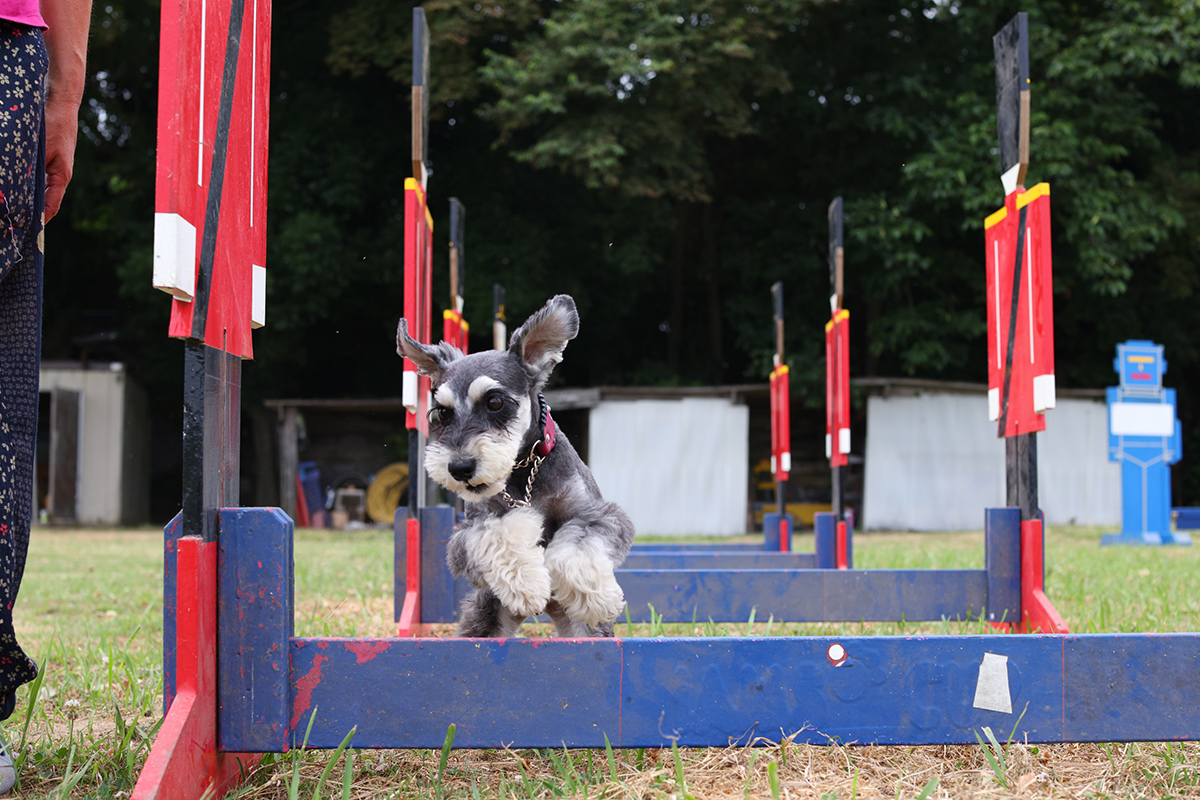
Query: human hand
[[62, 131], [66, 45]]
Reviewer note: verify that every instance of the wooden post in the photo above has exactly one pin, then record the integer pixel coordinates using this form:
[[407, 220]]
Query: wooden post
[[420, 97], [837, 367], [454, 326], [1020, 287], [418, 257], [458, 222], [289, 459], [781, 455], [499, 326], [836, 256], [780, 414]]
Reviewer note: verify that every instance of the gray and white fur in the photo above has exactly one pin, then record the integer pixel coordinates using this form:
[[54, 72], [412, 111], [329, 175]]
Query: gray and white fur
[[557, 554]]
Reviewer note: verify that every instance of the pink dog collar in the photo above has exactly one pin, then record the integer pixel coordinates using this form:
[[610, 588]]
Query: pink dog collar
[[549, 437]]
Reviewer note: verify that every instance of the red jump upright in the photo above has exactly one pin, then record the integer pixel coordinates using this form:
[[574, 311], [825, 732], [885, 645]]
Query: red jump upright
[[1020, 315], [837, 366], [781, 424], [185, 761], [210, 256]]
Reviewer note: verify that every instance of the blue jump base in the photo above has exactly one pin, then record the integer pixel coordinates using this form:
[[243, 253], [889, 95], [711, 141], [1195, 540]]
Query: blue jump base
[[1188, 518], [402, 693], [1146, 539]]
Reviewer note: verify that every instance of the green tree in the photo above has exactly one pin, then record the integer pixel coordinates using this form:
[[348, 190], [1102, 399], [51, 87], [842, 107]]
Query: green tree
[[637, 98], [665, 162]]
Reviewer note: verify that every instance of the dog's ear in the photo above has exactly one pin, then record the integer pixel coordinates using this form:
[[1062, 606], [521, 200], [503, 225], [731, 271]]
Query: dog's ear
[[431, 360], [540, 342]]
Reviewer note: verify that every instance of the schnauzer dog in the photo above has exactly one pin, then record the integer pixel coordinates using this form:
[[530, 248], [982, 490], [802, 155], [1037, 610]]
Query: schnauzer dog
[[538, 536]]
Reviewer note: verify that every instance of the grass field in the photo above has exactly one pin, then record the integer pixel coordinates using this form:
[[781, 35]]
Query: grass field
[[90, 612]]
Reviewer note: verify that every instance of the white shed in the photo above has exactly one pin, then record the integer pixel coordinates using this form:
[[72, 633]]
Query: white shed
[[933, 461], [675, 459], [93, 445]]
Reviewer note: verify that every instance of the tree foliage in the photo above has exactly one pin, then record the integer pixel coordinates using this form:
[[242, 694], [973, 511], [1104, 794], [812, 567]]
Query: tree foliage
[[665, 162]]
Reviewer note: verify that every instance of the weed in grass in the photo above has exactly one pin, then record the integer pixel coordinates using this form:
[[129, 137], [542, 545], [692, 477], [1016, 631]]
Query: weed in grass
[[35, 692], [773, 779], [297, 756], [656, 623], [349, 771], [441, 769], [749, 774], [928, 790], [128, 745], [997, 757], [71, 779], [679, 779]]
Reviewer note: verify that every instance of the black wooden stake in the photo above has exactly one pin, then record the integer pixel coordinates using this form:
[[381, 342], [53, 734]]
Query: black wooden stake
[[212, 389]]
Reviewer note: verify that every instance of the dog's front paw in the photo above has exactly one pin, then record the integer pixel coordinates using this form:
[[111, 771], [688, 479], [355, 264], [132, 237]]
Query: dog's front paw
[[584, 584], [511, 562], [526, 590]]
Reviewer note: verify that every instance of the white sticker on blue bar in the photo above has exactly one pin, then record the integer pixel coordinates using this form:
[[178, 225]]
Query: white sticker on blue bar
[[991, 690]]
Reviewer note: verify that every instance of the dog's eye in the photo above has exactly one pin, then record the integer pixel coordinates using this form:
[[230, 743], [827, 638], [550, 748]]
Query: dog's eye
[[440, 415], [495, 403]]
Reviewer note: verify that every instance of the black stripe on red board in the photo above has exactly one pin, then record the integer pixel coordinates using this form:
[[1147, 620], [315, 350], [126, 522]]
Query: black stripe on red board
[[1012, 322], [216, 177]]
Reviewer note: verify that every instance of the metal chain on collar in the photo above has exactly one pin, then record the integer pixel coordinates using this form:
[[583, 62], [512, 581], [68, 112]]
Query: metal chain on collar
[[534, 459]]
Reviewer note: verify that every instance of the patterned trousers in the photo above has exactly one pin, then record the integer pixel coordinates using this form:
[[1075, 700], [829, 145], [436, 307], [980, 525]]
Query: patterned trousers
[[23, 66]]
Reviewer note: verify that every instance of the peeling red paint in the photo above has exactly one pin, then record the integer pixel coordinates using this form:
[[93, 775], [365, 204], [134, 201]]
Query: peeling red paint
[[366, 649], [304, 688]]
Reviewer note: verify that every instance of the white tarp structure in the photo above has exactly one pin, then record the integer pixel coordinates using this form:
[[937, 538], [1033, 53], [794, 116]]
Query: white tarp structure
[[675, 466], [933, 462]]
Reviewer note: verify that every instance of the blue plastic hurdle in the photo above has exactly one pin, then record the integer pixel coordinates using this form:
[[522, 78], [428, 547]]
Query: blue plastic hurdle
[[652, 692]]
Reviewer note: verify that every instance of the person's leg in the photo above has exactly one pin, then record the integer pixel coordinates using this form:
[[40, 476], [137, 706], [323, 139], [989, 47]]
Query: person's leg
[[22, 185]]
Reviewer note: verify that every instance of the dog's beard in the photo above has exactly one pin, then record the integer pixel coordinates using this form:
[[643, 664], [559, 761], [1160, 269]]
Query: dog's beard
[[495, 452]]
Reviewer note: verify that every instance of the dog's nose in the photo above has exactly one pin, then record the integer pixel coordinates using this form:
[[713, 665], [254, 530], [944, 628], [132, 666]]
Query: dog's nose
[[462, 469]]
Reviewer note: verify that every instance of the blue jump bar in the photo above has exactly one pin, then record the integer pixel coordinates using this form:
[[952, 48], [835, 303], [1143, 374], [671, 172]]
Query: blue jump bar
[[1187, 518], [711, 692], [696, 547], [727, 559], [806, 595]]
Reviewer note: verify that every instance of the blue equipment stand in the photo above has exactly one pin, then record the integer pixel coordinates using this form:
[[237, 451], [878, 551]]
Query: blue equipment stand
[[1144, 437]]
